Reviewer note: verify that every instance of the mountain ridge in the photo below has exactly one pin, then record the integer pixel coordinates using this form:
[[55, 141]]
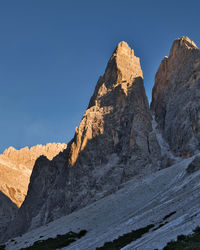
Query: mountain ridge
[[113, 143], [121, 141], [175, 95], [16, 167]]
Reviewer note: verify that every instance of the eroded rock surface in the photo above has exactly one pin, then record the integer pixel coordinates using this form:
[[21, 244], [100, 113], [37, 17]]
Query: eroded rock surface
[[194, 165], [8, 211], [113, 143], [175, 97], [16, 167]]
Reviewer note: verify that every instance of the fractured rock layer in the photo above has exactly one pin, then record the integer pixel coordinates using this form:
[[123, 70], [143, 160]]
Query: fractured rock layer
[[113, 143], [175, 97], [8, 211]]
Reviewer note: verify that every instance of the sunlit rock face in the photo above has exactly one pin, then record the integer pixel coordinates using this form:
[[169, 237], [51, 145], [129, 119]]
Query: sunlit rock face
[[113, 143], [175, 97], [119, 99], [16, 167]]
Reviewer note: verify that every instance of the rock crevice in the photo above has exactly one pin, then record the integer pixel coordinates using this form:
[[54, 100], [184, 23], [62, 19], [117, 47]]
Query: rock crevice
[[175, 97], [109, 147]]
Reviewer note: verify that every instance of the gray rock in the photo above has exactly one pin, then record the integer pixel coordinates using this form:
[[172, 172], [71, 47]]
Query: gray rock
[[194, 165], [113, 143], [8, 211], [175, 97]]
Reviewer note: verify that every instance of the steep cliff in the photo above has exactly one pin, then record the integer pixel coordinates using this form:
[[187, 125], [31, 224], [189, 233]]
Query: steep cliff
[[113, 143], [175, 97], [16, 167], [8, 211]]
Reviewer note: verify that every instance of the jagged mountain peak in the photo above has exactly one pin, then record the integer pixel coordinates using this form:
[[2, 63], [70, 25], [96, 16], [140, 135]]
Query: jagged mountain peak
[[181, 47], [9, 149], [123, 44], [117, 140], [52, 148], [125, 62], [177, 68], [113, 90], [121, 72], [183, 42], [123, 48], [113, 143], [175, 97]]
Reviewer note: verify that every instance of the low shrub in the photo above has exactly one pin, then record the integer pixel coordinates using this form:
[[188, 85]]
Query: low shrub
[[183, 242], [125, 239], [55, 243], [2, 247]]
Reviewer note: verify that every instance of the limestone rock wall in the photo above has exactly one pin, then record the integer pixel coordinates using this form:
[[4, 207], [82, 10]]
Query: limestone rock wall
[[113, 143], [175, 97], [8, 211], [16, 167]]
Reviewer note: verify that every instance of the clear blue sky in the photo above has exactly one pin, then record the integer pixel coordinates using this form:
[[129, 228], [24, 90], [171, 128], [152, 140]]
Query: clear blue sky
[[53, 51]]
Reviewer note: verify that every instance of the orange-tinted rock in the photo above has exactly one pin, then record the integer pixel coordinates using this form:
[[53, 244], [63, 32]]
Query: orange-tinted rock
[[16, 167], [113, 143]]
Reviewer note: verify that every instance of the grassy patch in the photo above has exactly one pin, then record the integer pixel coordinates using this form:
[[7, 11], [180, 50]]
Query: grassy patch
[[58, 242], [125, 239], [2, 247], [183, 242]]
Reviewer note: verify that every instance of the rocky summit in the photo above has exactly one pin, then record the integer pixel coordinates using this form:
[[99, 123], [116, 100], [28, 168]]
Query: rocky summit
[[129, 171], [175, 97], [113, 143]]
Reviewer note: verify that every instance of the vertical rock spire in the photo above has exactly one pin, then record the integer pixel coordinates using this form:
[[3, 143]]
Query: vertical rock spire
[[175, 97], [122, 69], [123, 80], [113, 143]]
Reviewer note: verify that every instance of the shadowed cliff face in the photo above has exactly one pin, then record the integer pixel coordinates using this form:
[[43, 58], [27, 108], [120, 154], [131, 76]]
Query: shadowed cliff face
[[8, 211], [113, 143], [175, 97]]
